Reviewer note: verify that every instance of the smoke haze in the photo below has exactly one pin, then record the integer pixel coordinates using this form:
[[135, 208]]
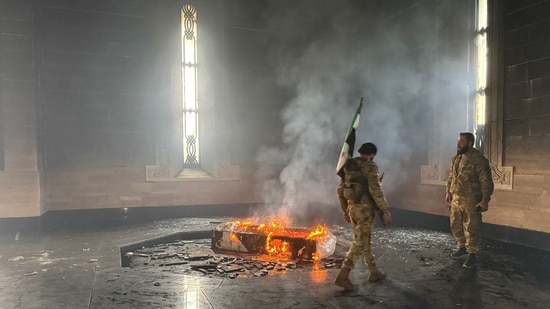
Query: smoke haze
[[329, 57]]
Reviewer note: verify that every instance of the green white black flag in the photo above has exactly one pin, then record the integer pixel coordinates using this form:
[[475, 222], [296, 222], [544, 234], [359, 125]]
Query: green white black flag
[[349, 144]]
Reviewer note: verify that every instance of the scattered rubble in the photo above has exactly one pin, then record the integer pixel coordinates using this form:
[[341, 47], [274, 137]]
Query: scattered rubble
[[31, 274], [197, 257]]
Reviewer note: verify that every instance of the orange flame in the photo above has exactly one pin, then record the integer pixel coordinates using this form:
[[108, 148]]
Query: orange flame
[[233, 237], [319, 232], [277, 247], [274, 228]]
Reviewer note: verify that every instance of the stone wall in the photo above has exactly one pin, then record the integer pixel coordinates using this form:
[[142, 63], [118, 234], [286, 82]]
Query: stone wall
[[86, 88], [19, 176], [520, 136], [87, 92]]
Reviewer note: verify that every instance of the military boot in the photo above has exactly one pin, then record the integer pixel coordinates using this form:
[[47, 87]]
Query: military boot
[[471, 261], [342, 279], [375, 274], [459, 253]]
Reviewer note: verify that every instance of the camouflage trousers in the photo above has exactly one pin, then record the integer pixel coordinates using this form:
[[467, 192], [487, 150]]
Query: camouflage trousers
[[341, 198], [362, 217], [465, 223]]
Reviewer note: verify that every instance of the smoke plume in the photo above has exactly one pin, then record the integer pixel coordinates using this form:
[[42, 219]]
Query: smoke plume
[[329, 56]]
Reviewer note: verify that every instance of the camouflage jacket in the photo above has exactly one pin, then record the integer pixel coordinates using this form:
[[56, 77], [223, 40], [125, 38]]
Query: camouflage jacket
[[360, 171], [470, 176]]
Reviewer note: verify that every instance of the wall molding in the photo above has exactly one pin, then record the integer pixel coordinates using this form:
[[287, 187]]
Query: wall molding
[[223, 170], [503, 176], [430, 175]]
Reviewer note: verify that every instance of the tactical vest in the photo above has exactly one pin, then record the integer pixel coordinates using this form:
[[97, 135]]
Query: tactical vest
[[355, 182]]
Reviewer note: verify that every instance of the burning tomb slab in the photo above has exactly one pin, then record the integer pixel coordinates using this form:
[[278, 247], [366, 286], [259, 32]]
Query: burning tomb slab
[[274, 239]]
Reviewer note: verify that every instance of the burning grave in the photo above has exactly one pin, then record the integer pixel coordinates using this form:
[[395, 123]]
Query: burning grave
[[274, 239], [238, 249]]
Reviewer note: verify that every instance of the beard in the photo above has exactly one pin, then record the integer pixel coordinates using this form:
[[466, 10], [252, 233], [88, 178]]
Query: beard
[[463, 149]]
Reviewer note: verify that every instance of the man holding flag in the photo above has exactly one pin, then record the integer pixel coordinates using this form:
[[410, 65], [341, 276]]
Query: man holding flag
[[360, 195], [345, 154]]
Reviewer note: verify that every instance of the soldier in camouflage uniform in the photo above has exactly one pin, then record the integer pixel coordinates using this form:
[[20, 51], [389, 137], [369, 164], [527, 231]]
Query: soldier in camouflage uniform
[[343, 201], [361, 196], [469, 190]]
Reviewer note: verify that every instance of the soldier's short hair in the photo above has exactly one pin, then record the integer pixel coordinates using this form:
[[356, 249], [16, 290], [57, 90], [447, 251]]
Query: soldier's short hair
[[469, 137], [368, 148]]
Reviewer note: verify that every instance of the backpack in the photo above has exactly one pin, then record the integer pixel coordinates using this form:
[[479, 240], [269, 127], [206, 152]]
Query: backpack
[[355, 183]]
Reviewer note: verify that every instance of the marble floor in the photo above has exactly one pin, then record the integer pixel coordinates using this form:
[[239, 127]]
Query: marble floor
[[81, 268]]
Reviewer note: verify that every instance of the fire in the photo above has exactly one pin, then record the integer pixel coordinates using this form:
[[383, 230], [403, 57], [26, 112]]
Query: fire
[[234, 237], [276, 247], [274, 231], [319, 232]]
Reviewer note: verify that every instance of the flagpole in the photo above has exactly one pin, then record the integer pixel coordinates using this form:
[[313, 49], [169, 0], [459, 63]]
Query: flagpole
[[349, 143]]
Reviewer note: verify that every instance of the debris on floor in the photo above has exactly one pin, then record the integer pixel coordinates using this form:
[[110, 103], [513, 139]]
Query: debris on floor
[[197, 257]]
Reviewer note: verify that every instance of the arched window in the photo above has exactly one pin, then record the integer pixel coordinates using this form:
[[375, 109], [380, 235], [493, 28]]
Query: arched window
[[187, 149], [481, 73], [190, 102]]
